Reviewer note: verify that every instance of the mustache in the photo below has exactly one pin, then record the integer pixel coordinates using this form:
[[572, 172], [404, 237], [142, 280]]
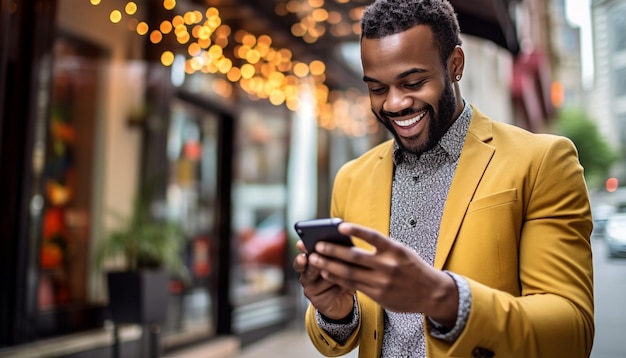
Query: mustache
[[403, 113]]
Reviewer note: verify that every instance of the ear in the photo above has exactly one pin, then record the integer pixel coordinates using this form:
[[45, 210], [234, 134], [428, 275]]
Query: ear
[[456, 64]]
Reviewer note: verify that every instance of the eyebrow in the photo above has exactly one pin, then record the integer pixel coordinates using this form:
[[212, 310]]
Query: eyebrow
[[398, 77]]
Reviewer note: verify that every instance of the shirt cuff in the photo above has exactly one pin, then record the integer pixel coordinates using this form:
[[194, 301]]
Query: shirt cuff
[[465, 305], [338, 330]]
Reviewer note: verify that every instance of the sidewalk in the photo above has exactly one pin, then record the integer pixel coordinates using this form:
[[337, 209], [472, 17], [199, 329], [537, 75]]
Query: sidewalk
[[290, 342]]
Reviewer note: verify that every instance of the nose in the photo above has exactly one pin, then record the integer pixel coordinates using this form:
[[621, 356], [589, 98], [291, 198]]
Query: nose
[[396, 101]]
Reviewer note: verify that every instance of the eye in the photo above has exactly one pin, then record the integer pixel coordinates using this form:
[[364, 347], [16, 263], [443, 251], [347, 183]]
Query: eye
[[377, 89], [415, 85]]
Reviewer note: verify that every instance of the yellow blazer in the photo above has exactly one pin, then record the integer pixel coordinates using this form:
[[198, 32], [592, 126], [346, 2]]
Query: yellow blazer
[[516, 224]]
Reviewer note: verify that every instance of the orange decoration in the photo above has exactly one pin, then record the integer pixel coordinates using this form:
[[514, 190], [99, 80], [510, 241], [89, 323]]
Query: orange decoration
[[63, 131], [51, 256]]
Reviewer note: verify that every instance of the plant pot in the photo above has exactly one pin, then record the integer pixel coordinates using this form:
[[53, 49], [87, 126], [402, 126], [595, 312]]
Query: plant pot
[[138, 296]]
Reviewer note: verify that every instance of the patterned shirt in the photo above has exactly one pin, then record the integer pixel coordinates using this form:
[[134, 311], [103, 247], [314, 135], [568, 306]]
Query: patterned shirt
[[419, 191]]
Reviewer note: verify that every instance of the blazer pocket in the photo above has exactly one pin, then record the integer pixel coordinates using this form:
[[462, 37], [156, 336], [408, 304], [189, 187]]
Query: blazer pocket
[[503, 197]]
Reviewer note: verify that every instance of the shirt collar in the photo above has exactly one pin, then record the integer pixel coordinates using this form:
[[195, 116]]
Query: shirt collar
[[451, 142]]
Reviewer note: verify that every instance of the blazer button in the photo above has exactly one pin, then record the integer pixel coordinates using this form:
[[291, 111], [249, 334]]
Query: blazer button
[[480, 352]]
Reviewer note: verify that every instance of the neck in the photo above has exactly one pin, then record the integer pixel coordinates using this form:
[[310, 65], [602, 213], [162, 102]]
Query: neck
[[459, 101]]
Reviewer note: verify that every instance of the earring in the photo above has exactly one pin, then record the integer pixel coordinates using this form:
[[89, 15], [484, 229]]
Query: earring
[[458, 78]]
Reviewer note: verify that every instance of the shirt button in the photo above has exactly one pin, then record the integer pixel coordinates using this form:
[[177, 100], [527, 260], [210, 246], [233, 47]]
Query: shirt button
[[412, 222]]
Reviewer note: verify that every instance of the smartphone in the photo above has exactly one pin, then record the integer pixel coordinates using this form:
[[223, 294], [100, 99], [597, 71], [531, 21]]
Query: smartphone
[[312, 231]]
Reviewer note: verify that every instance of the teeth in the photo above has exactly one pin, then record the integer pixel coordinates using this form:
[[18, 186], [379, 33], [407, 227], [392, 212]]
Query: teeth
[[411, 121]]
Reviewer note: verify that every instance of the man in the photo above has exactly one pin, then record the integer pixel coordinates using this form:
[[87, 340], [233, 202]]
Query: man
[[473, 236]]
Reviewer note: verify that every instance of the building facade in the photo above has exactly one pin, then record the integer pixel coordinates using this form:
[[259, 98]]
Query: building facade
[[568, 89], [608, 99]]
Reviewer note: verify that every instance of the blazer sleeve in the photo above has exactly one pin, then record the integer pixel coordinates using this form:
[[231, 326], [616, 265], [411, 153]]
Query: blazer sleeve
[[552, 316], [324, 343]]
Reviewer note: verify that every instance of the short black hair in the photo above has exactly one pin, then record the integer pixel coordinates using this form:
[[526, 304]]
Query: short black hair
[[388, 17]]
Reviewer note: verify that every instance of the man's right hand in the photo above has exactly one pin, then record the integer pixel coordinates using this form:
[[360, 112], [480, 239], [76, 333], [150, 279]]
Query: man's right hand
[[331, 300]]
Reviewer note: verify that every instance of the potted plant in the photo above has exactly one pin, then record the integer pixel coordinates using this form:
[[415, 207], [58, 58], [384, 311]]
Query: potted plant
[[150, 249]]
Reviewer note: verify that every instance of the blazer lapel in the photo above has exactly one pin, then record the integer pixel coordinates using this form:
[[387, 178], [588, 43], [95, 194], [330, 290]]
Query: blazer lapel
[[473, 162], [380, 190]]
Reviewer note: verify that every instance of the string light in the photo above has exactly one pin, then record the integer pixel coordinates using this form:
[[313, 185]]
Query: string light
[[315, 21], [167, 58], [263, 71], [131, 8], [169, 4], [116, 16]]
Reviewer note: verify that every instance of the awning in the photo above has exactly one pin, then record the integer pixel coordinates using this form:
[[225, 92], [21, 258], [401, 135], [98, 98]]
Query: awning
[[531, 90], [488, 19]]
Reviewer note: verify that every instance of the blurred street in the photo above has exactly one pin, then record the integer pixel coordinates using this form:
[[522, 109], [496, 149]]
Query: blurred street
[[291, 342], [610, 303]]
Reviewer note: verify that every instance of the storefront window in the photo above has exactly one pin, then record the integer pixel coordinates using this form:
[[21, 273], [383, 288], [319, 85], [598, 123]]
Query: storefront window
[[192, 154], [259, 205], [66, 217]]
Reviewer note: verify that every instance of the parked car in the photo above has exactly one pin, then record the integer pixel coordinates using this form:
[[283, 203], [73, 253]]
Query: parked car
[[266, 244], [615, 235], [601, 214]]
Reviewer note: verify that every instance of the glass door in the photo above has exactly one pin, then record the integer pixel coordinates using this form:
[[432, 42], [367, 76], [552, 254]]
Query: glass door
[[192, 200]]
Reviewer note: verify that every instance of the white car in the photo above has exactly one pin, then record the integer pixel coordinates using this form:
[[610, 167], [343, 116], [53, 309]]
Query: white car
[[601, 214], [615, 234]]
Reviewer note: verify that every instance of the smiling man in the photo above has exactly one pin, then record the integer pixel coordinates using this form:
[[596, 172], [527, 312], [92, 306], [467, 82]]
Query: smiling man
[[472, 236]]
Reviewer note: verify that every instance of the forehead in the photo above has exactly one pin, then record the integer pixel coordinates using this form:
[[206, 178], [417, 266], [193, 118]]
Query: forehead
[[413, 48]]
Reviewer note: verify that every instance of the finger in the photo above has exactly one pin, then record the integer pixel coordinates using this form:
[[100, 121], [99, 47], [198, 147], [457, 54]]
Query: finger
[[352, 255], [326, 288], [300, 262], [301, 247], [343, 273], [309, 274], [372, 237], [321, 287]]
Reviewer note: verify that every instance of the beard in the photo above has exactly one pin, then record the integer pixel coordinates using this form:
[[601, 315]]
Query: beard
[[438, 125]]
